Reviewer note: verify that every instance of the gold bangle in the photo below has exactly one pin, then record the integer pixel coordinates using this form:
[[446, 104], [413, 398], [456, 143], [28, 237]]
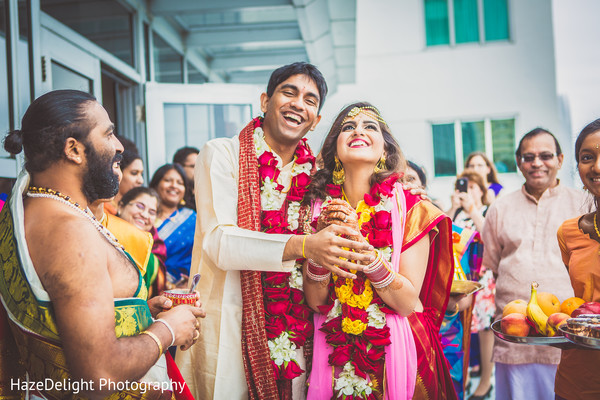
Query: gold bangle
[[456, 308], [156, 339], [303, 241]]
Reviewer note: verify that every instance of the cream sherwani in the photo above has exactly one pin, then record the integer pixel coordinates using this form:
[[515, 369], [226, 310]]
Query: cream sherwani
[[213, 367]]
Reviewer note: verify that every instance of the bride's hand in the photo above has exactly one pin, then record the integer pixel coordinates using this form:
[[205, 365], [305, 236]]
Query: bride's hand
[[338, 212]]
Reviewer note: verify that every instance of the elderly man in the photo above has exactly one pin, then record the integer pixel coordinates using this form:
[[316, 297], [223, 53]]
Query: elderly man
[[75, 301], [248, 236], [521, 247]]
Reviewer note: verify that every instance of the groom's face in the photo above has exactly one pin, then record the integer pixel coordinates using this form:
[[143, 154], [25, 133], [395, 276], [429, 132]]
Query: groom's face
[[292, 110]]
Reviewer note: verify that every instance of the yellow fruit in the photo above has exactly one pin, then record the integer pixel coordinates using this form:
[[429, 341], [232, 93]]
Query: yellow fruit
[[571, 304], [548, 303], [535, 313], [516, 306]]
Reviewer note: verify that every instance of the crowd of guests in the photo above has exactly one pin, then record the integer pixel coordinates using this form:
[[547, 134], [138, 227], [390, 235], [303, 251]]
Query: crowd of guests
[[326, 279], [165, 209]]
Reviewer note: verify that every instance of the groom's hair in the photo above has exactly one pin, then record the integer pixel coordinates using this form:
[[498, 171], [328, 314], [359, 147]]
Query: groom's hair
[[299, 68]]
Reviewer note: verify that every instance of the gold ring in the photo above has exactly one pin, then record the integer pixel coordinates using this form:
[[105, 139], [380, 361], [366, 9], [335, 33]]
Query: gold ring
[[197, 324], [196, 335]]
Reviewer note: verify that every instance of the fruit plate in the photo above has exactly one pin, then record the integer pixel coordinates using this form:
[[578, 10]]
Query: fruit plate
[[537, 340], [585, 341], [465, 287]]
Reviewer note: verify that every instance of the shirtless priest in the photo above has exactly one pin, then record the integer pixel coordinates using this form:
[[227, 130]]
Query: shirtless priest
[[248, 238], [74, 300]]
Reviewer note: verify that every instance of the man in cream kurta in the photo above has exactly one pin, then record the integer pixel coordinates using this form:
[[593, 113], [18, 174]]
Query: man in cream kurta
[[215, 367]]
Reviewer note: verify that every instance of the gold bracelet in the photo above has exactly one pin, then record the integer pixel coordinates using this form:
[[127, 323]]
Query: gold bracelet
[[456, 308], [303, 241], [156, 339]]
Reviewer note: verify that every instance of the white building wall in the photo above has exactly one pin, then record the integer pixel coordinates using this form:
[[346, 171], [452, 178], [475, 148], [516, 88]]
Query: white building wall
[[577, 38], [414, 85]]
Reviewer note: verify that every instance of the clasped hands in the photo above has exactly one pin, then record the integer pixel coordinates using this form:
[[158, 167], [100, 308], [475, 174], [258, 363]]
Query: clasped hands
[[338, 234]]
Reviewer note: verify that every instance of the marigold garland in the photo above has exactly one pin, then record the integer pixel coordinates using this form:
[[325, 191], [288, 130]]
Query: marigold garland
[[356, 325], [288, 318]]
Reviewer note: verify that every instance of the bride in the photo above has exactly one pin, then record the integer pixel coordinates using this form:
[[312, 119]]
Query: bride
[[377, 335]]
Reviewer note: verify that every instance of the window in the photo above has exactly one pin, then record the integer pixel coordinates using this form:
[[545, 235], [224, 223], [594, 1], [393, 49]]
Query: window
[[451, 22], [9, 88], [195, 124], [453, 142], [503, 142], [4, 98], [106, 23], [168, 63], [443, 150], [195, 76], [436, 22]]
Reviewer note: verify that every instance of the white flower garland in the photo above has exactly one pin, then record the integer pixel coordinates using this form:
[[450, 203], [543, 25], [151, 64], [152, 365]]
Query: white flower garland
[[271, 199], [348, 383]]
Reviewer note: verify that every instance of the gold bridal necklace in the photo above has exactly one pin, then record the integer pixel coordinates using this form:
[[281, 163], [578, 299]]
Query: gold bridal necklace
[[33, 191]]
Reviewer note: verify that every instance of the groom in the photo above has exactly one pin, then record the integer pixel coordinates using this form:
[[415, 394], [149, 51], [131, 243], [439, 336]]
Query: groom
[[248, 238]]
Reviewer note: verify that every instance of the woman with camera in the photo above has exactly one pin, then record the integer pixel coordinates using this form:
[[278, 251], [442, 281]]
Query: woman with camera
[[469, 201], [469, 206]]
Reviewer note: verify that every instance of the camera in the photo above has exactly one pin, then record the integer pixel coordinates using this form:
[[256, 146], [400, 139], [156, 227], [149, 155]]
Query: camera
[[462, 184]]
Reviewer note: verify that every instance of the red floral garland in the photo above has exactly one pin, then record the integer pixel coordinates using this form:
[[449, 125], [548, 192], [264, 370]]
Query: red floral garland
[[285, 307], [365, 350]]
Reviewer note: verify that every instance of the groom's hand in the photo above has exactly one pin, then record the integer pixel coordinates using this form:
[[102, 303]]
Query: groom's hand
[[330, 250]]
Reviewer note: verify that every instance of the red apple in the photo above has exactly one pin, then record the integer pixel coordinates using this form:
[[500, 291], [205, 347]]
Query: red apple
[[515, 324], [590, 307]]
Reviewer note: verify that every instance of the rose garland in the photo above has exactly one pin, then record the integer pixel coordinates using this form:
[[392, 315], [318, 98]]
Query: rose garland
[[288, 321], [356, 325]]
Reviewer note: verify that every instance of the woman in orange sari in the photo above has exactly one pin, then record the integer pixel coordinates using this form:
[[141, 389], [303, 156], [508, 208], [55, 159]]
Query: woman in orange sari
[[360, 139], [577, 377]]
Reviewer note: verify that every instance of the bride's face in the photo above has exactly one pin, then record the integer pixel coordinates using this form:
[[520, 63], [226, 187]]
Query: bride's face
[[360, 140]]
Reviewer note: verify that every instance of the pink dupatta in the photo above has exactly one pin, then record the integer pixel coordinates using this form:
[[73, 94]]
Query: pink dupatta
[[400, 355]]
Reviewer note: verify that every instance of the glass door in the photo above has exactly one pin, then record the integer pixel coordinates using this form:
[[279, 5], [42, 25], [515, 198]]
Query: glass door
[[179, 115], [68, 66]]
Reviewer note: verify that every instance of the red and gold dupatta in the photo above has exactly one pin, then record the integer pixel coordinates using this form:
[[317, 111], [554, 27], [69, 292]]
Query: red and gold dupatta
[[423, 218]]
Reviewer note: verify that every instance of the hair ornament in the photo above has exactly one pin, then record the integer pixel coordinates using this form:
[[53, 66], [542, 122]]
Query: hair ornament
[[357, 110]]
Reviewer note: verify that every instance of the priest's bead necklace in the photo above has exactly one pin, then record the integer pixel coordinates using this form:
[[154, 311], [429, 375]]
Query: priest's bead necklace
[[33, 191]]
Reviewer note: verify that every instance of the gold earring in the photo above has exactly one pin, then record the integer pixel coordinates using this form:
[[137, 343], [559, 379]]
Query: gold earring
[[380, 166], [338, 172]]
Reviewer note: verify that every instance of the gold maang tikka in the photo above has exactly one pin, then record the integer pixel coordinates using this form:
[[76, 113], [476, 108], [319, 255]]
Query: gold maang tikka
[[357, 110]]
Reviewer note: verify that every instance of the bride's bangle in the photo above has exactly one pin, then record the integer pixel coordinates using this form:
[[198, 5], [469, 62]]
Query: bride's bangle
[[379, 274], [316, 272]]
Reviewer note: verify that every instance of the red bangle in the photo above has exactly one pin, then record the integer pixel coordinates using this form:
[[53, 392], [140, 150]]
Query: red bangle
[[316, 272], [379, 274]]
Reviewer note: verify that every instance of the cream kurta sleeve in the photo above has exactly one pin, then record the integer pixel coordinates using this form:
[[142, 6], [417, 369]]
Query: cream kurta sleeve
[[226, 245]]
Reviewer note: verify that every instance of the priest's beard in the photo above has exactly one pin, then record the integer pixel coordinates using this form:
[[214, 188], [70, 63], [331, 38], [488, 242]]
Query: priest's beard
[[99, 180]]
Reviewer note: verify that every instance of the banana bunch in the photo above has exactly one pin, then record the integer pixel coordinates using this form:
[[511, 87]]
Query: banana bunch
[[535, 312]]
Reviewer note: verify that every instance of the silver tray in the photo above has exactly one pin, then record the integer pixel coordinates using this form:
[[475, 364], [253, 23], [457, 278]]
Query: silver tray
[[585, 341], [535, 340]]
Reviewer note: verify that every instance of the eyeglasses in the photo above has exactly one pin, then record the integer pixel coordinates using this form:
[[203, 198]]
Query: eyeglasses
[[529, 158], [142, 207]]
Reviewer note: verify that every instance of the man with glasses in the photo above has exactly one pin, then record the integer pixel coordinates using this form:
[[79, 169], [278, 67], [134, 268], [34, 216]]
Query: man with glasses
[[521, 247]]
